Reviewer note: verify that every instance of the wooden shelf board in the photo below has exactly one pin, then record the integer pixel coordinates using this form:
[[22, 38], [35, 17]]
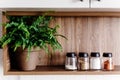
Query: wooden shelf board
[[33, 13], [59, 70]]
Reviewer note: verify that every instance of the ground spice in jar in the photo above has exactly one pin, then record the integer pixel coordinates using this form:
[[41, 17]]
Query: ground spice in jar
[[107, 61], [71, 61], [83, 61], [95, 61]]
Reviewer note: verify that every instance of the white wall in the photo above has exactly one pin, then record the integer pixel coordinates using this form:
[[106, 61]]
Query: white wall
[[53, 77]]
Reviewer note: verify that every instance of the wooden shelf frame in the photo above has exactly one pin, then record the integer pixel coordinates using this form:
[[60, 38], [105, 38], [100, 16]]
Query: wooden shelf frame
[[33, 13], [58, 70]]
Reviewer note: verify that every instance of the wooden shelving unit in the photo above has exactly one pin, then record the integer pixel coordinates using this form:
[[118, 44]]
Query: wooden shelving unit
[[59, 70], [89, 29]]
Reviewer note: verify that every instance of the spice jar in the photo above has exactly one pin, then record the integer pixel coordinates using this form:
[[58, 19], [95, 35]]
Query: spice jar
[[71, 61], [95, 62], [107, 62], [83, 61]]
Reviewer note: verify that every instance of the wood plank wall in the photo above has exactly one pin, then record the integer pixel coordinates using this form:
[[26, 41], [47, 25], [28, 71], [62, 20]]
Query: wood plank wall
[[87, 34]]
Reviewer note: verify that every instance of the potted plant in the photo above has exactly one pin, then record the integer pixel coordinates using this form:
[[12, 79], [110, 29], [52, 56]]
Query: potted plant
[[25, 34]]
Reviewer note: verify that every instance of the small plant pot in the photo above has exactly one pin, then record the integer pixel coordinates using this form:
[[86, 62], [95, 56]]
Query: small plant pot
[[25, 62]]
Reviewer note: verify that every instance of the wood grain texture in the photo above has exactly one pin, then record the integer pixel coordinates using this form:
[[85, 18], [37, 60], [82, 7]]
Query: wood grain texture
[[89, 34]]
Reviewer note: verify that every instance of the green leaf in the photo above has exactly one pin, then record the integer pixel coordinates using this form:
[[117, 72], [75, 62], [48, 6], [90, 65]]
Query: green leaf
[[17, 44], [61, 36], [28, 54], [7, 41]]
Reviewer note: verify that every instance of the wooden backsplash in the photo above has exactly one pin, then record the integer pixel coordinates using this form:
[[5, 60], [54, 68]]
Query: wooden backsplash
[[87, 34]]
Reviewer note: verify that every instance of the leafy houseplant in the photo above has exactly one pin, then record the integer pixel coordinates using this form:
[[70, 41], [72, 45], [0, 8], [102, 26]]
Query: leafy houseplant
[[24, 33]]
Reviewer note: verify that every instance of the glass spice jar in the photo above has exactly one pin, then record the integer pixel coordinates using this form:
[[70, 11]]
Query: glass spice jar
[[71, 61], [83, 61], [95, 61], [107, 62]]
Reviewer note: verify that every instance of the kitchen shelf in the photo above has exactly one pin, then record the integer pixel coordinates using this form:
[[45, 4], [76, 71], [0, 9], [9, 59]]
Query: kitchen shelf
[[59, 70], [92, 30]]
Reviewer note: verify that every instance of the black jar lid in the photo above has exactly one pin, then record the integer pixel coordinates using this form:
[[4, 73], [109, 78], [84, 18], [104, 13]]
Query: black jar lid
[[83, 54], [95, 54], [71, 54], [106, 54]]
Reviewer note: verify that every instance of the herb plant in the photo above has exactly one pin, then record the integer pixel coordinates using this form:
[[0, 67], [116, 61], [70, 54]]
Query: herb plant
[[30, 31]]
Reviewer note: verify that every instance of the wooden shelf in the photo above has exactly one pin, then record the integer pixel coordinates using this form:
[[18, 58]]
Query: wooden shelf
[[59, 70], [86, 31], [56, 13]]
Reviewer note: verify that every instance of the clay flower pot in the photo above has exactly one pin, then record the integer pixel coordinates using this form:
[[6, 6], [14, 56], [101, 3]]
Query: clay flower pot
[[25, 62]]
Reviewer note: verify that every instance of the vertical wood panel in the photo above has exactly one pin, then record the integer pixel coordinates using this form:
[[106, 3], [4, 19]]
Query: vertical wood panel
[[89, 34], [6, 59]]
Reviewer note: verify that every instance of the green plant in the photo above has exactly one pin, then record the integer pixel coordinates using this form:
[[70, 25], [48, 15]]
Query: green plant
[[30, 31]]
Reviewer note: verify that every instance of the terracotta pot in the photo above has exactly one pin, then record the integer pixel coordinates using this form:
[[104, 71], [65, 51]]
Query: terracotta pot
[[25, 63]]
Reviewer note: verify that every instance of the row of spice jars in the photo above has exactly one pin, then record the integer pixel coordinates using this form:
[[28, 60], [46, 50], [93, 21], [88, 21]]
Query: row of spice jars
[[85, 63]]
